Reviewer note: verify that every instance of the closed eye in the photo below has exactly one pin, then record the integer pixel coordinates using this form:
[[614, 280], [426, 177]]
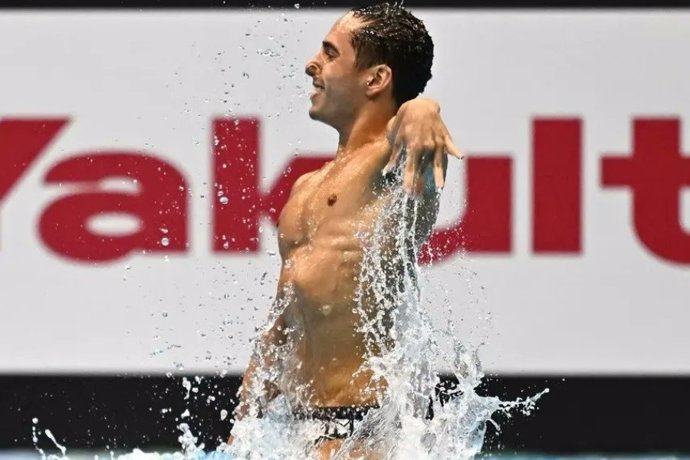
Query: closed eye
[[330, 50]]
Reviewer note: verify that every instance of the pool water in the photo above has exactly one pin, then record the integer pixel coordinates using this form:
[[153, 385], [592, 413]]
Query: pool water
[[104, 454]]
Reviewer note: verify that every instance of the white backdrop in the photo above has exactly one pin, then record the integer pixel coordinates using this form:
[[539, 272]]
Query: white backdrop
[[155, 81]]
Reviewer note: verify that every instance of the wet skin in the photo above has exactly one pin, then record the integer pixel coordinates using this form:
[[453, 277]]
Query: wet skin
[[322, 255], [322, 236], [321, 246], [321, 231]]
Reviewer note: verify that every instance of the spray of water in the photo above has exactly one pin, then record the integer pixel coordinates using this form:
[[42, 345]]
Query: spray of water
[[403, 349]]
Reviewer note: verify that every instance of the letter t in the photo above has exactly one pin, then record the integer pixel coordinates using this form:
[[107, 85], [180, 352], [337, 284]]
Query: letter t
[[655, 172]]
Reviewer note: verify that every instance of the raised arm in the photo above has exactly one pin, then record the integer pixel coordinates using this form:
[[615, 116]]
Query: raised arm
[[418, 128]]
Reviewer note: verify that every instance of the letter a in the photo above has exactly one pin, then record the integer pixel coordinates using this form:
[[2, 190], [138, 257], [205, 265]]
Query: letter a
[[160, 205]]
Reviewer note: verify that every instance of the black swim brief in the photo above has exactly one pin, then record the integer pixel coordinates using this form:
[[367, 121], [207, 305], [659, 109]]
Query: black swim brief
[[337, 422], [341, 422]]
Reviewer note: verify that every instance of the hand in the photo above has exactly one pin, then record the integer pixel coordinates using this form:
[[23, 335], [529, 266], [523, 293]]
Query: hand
[[418, 128]]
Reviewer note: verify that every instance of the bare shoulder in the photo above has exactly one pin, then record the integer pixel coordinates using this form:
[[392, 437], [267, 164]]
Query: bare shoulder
[[381, 152], [375, 157], [369, 164], [299, 183]]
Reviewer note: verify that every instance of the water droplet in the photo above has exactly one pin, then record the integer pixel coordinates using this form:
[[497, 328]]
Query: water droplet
[[223, 414], [297, 5], [165, 241], [224, 200]]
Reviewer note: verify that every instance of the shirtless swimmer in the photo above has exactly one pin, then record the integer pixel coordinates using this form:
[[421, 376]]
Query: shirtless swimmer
[[371, 66]]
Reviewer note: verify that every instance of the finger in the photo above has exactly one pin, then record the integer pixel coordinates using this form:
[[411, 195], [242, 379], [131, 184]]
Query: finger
[[452, 149], [421, 183], [439, 181], [412, 163], [392, 129], [395, 156], [419, 187]]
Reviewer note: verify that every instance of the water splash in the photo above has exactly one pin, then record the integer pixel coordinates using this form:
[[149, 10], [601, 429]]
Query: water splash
[[402, 348]]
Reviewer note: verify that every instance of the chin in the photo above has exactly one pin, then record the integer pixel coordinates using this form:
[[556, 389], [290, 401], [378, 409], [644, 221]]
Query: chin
[[316, 115]]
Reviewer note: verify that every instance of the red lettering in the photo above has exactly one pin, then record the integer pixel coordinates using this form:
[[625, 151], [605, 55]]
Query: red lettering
[[655, 172], [557, 186], [161, 203], [21, 142]]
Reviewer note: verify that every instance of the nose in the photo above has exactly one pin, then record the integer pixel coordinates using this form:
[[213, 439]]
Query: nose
[[311, 68]]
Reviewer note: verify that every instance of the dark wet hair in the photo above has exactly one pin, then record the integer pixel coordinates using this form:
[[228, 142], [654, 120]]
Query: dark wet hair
[[391, 35]]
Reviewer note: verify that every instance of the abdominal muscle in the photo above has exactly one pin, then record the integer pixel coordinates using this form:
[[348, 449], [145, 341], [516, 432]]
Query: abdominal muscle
[[323, 369]]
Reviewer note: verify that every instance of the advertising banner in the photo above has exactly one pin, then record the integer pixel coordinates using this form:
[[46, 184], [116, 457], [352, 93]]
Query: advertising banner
[[563, 244]]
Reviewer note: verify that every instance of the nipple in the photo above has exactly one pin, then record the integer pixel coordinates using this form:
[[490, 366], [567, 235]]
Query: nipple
[[326, 310], [332, 198]]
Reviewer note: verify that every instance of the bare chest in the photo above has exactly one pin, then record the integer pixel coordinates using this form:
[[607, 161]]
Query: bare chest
[[330, 201]]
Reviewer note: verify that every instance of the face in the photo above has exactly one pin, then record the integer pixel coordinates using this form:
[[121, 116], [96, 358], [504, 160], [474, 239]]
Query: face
[[339, 88]]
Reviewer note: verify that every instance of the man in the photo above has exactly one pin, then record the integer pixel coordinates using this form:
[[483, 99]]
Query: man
[[371, 66]]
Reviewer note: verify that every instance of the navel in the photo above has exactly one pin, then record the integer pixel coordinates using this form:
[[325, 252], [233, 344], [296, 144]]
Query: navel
[[332, 198]]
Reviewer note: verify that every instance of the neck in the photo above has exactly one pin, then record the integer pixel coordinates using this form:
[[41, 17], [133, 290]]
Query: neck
[[368, 126]]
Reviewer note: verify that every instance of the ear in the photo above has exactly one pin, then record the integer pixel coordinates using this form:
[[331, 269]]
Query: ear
[[379, 78]]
